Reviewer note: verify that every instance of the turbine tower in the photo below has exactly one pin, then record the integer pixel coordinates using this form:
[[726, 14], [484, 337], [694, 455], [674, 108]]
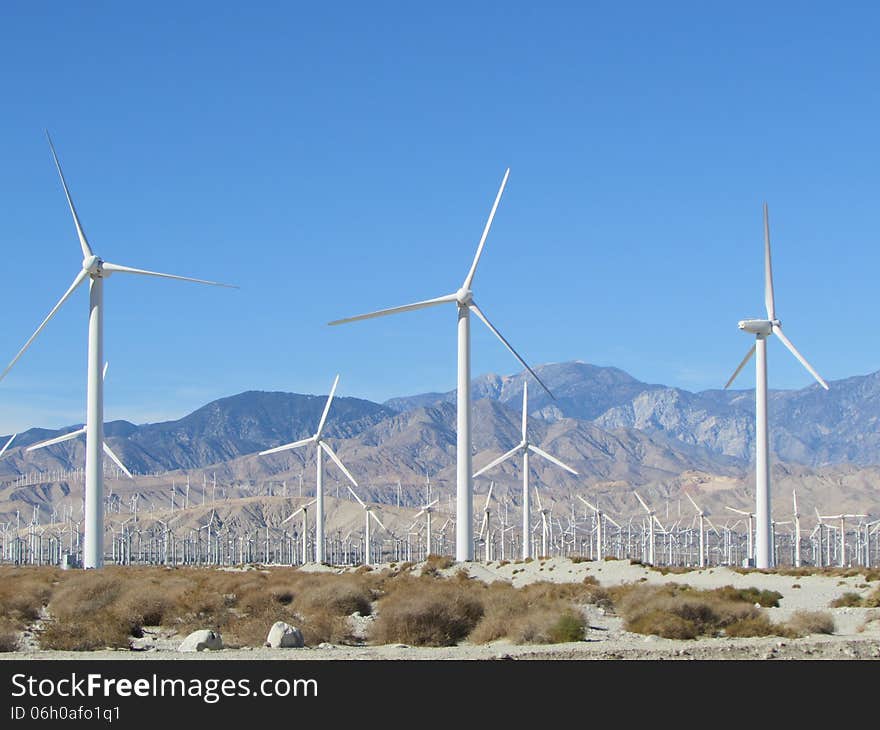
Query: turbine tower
[[464, 301], [524, 447], [320, 446], [762, 329], [95, 270]]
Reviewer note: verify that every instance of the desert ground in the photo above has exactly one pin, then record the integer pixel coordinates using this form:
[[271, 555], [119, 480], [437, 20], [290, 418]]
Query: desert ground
[[856, 630]]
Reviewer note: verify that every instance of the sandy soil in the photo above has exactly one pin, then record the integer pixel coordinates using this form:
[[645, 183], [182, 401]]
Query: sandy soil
[[857, 634]]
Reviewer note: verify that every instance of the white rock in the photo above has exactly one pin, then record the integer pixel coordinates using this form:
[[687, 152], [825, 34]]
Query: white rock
[[201, 640], [284, 636]]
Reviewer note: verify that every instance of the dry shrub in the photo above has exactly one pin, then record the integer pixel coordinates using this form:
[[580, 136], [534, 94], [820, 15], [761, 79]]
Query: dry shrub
[[336, 595], [24, 592], [758, 625], [8, 635], [660, 622], [548, 626], [103, 630], [765, 598], [426, 612], [804, 623], [872, 600], [847, 600], [676, 611], [319, 628], [440, 562]]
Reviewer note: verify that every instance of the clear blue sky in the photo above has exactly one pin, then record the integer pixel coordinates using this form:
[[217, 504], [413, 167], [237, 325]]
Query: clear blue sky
[[338, 159]]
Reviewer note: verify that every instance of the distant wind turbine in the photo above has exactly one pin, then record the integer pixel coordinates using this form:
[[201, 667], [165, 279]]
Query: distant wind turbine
[[464, 301], [320, 446], [524, 447], [762, 329], [95, 270]]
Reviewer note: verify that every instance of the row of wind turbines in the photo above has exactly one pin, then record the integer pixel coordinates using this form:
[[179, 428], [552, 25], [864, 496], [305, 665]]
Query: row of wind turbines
[[95, 270]]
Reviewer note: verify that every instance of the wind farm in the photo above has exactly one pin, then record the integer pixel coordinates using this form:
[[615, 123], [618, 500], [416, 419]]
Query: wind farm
[[275, 464]]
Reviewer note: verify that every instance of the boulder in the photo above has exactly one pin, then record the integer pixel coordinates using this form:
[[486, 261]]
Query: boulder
[[201, 640], [284, 636]]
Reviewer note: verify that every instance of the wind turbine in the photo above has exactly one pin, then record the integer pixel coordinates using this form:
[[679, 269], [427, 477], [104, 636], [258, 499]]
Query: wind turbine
[[599, 528], [841, 560], [524, 447], [368, 514], [79, 432], [320, 446], [545, 524], [305, 526], [762, 329], [95, 270], [652, 518], [797, 531], [751, 544], [703, 516], [485, 523], [464, 301], [427, 510]]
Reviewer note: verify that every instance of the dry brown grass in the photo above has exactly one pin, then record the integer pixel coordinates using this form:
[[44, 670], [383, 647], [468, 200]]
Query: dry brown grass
[[427, 612], [805, 623], [675, 611]]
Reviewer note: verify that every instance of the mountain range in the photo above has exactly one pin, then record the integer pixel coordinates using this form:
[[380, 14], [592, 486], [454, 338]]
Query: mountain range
[[615, 430]]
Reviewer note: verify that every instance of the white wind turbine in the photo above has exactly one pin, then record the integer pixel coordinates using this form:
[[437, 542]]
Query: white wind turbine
[[320, 446], [652, 518], [703, 516], [368, 515], [797, 531], [485, 523], [427, 510], [305, 527], [95, 270], [751, 542], [464, 301], [841, 558], [524, 447], [762, 329], [545, 523], [79, 432], [600, 515]]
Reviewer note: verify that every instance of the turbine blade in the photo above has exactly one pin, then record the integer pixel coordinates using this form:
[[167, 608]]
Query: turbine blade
[[396, 310], [489, 496], [418, 514], [8, 444], [117, 461], [339, 463], [738, 511], [538, 499], [80, 278], [696, 506], [486, 321], [547, 456], [432, 504], [777, 330], [378, 521], [501, 458], [470, 277], [119, 268], [612, 521], [57, 440], [659, 524], [104, 372], [588, 504], [327, 407], [525, 410], [714, 529], [769, 301], [83, 242], [642, 502], [741, 366], [286, 447], [354, 494], [291, 516], [483, 525]]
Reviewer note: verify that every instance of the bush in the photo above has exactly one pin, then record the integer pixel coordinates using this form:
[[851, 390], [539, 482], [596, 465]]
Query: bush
[[767, 599], [427, 612], [758, 625], [99, 632], [804, 623], [659, 622], [847, 600]]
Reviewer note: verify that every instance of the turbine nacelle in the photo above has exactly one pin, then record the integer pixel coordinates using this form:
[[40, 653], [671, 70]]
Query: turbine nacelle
[[759, 327], [93, 265], [464, 297]]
